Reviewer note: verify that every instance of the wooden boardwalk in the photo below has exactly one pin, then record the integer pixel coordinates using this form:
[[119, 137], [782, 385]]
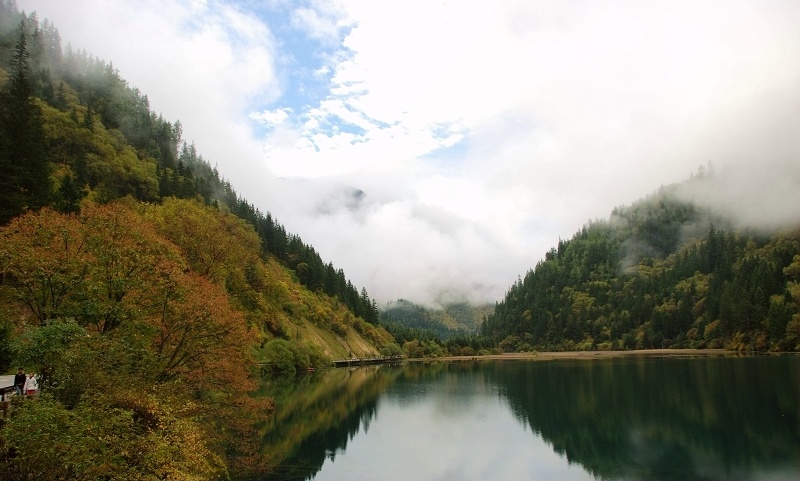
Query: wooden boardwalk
[[367, 361]]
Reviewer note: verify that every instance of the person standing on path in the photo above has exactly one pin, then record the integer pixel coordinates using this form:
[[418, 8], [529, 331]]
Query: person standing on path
[[31, 385], [19, 381]]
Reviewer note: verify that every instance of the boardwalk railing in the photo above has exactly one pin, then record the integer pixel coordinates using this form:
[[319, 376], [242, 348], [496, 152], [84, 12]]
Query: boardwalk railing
[[4, 402], [5, 391]]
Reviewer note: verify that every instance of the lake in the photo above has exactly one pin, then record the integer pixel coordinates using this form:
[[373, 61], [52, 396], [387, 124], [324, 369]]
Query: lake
[[628, 418]]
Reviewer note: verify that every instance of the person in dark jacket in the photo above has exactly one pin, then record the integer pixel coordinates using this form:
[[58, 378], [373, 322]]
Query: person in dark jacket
[[19, 381]]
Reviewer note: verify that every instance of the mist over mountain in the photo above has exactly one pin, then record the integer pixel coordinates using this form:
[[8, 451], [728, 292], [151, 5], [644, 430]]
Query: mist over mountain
[[448, 320], [480, 134], [762, 195], [691, 265]]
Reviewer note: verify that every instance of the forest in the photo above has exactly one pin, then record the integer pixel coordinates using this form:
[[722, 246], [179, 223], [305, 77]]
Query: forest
[[152, 299], [145, 293], [660, 273]]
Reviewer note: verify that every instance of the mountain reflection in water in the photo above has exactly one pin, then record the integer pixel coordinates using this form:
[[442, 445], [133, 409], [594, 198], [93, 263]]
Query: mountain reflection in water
[[625, 418]]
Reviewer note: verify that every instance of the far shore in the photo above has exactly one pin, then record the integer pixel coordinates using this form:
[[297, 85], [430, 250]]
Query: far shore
[[588, 355]]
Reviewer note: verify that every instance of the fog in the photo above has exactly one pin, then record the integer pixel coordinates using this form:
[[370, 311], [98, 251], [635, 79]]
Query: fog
[[437, 150]]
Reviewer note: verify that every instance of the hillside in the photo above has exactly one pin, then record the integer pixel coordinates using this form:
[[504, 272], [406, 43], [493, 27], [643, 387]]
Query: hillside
[[72, 129], [151, 298], [450, 320], [74, 134], [662, 272], [130, 309], [138, 285]]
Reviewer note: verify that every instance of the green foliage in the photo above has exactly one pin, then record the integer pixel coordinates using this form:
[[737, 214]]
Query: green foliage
[[287, 358], [649, 278], [102, 440], [23, 149], [6, 352], [450, 320], [44, 349]]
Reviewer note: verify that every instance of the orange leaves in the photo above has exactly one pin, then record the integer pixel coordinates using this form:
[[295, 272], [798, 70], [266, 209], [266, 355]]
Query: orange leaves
[[43, 261], [99, 268], [108, 268], [162, 338], [200, 337]]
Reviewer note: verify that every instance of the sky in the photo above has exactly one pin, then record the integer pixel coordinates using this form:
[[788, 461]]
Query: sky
[[436, 150]]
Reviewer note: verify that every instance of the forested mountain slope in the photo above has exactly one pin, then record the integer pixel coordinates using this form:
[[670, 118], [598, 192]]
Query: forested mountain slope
[[137, 283], [73, 133], [662, 272], [88, 135], [450, 320]]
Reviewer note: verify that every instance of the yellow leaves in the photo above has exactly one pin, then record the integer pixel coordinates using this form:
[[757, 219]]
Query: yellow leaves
[[582, 302], [103, 440], [42, 261], [110, 270], [710, 330], [792, 271], [108, 161], [213, 242], [794, 291], [131, 264]]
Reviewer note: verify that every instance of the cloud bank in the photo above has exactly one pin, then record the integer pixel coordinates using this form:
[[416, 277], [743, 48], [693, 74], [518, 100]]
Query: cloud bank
[[438, 149]]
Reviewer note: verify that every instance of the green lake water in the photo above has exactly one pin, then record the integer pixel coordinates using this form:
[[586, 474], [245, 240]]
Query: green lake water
[[706, 418]]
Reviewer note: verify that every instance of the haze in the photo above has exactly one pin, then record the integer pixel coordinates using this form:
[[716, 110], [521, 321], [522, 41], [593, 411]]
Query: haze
[[436, 150]]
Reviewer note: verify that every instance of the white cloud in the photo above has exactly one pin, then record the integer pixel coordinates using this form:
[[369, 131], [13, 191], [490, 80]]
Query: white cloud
[[315, 23], [272, 118], [479, 132]]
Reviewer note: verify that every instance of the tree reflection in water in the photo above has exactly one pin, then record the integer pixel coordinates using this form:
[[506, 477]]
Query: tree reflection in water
[[626, 418]]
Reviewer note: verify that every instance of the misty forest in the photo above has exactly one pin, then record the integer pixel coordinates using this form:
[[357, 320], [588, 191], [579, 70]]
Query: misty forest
[[142, 288]]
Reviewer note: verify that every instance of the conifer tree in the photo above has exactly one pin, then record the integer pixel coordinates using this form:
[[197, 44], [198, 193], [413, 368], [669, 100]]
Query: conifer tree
[[23, 147]]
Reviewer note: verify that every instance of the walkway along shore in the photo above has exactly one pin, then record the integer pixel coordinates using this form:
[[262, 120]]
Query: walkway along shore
[[546, 356], [368, 361], [587, 355]]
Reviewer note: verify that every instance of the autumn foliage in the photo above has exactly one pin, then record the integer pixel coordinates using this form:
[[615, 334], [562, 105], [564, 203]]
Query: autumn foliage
[[135, 346], [138, 284]]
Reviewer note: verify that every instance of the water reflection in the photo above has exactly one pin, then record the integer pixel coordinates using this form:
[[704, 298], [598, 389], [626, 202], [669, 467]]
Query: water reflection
[[316, 415], [718, 418], [644, 419]]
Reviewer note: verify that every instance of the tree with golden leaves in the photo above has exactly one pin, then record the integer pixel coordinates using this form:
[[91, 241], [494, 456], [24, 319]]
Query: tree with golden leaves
[[135, 347]]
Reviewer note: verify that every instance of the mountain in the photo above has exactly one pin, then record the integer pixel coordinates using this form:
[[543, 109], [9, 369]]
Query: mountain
[[74, 134], [451, 320], [144, 292], [662, 272]]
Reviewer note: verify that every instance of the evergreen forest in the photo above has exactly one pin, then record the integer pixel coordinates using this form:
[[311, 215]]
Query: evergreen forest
[[660, 273]]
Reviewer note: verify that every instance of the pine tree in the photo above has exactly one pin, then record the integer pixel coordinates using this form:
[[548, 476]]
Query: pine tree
[[23, 148]]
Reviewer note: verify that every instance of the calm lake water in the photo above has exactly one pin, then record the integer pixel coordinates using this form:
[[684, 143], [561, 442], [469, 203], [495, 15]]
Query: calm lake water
[[728, 418]]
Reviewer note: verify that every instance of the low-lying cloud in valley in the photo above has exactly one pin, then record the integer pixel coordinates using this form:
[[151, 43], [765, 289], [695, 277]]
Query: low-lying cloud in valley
[[431, 148]]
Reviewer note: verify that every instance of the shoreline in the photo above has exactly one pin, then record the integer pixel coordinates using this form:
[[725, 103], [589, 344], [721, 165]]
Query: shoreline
[[589, 355]]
